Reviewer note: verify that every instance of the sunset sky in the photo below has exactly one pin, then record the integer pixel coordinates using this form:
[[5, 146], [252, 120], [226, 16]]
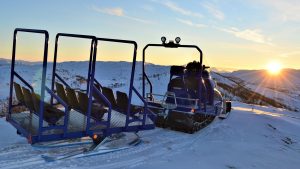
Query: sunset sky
[[239, 34]]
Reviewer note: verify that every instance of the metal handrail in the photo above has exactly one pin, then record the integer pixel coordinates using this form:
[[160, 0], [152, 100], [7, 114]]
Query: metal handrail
[[176, 97], [166, 105], [24, 81], [97, 82], [148, 80], [61, 79], [195, 106]]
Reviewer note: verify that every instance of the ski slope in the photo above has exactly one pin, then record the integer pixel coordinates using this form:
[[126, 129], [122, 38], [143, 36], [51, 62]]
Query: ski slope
[[251, 137]]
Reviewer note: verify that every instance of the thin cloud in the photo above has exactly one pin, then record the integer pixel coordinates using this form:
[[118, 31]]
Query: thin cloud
[[174, 7], [148, 8], [120, 13], [289, 54], [253, 35], [190, 23], [289, 10], [212, 9], [110, 11], [138, 19], [285, 10]]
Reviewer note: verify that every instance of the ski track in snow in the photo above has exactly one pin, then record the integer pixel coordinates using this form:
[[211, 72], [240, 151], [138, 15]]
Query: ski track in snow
[[249, 138]]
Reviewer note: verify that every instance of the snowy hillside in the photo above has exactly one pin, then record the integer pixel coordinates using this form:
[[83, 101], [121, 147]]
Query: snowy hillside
[[251, 137], [263, 78], [116, 75], [284, 88]]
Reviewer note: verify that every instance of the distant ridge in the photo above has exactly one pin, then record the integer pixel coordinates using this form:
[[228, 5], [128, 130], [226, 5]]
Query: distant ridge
[[288, 78], [8, 61], [225, 70]]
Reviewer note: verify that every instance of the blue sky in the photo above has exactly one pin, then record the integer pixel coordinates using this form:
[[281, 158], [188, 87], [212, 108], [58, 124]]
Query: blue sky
[[232, 33]]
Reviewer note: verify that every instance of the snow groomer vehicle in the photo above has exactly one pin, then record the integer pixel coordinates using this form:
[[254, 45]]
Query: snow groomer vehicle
[[191, 100]]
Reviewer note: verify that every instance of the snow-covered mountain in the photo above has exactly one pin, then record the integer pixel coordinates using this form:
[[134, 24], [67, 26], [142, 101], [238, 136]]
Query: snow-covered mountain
[[285, 94], [288, 79], [115, 75], [283, 88]]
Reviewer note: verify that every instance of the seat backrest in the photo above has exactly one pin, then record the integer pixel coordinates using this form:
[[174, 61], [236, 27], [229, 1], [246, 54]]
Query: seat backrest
[[108, 93], [177, 86], [192, 83], [176, 83], [36, 101], [176, 71], [61, 92], [122, 101], [19, 93], [83, 101], [28, 101], [72, 98]]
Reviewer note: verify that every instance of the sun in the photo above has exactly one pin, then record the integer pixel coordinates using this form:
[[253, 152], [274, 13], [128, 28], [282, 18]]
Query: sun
[[274, 68]]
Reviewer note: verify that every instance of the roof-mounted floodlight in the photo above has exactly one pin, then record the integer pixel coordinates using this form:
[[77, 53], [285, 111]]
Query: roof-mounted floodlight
[[177, 40], [163, 39]]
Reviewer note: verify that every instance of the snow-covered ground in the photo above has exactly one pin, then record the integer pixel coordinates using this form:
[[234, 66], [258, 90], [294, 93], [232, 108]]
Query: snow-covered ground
[[251, 137]]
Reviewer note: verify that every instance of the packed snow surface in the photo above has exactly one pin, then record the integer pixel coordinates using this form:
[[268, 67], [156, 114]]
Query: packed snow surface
[[251, 137]]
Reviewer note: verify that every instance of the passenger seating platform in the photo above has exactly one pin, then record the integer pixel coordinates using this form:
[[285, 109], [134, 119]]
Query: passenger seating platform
[[72, 113]]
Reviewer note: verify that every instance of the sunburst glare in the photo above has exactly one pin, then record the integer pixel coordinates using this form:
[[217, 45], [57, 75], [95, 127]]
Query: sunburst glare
[[274, 68]]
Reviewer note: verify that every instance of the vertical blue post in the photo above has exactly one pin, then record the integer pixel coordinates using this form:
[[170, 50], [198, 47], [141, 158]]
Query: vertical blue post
[[89, 71], [131, 84], [54, 67], [12, 73], [41, 117], [92, 76], [201, 78], [143, 74]]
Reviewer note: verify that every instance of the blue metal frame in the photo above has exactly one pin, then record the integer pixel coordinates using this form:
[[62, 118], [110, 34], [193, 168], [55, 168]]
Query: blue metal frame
[[131, 87], [41, 129], [39, 137], [13, 74], [55, 75], [91, 89], [175, 45]]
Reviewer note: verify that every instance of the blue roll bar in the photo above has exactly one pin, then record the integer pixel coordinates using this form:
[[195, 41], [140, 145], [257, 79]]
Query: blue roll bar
[[169, 45]]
